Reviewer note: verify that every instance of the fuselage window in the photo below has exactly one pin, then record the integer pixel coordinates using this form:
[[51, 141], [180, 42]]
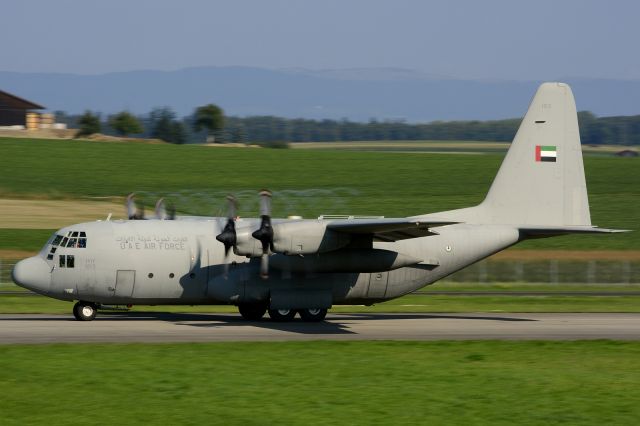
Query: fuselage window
[[67, 261]]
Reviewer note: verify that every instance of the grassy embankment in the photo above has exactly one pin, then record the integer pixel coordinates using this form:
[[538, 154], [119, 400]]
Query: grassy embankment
[[524, 383], [306, 182]]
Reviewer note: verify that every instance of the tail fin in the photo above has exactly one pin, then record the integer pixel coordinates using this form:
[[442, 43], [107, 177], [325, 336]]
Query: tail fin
[[541, 179]]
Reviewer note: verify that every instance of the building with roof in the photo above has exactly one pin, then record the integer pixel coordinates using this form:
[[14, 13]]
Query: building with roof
[[15, 111]]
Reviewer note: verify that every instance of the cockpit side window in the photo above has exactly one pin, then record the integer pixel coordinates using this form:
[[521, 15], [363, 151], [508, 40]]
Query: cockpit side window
[[67, 261], [56, 240]]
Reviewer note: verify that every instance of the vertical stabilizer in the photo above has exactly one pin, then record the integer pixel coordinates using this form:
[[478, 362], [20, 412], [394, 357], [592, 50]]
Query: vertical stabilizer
[[541, 179]]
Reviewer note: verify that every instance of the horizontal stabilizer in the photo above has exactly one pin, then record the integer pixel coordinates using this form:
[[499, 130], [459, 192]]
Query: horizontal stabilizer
[[388, 229], [550, 231]]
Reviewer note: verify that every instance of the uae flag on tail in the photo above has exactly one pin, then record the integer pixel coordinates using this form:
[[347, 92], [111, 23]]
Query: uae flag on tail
[[546, 153]]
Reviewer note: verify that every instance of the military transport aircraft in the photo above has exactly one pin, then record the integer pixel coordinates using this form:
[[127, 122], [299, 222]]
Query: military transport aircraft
[[297, 266]]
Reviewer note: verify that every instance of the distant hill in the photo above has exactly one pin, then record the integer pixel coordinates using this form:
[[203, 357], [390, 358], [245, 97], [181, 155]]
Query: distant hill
[[356, 94]]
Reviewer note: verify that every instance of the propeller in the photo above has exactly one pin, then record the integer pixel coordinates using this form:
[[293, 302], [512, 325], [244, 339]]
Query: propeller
[[134, 212], [228, 234], [164, 212], [265, 232]]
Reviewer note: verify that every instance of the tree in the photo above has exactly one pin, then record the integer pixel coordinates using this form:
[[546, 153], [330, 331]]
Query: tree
[[125, 123], [209, 117], [164, 126], [89, 124]]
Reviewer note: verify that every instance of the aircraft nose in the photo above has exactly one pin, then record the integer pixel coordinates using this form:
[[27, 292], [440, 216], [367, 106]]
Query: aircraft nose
[[32, 273]]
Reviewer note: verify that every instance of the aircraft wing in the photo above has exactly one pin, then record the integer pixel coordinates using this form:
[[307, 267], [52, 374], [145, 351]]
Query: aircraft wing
[[388, 230]]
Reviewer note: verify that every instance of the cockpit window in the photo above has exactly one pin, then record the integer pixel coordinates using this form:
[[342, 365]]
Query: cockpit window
[[63, 261], [74, 239]]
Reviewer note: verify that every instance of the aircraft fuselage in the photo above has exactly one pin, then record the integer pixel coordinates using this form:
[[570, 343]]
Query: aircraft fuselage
[[180, 262]]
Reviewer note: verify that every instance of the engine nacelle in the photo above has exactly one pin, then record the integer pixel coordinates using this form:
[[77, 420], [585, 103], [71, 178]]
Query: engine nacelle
[[299, 237], [306, 237], [246, 245]]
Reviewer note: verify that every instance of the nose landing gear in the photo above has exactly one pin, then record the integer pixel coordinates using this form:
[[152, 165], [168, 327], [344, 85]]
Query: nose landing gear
[[85, 311]]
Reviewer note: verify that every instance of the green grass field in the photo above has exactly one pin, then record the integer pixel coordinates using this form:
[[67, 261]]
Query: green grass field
[[359, 383], [306, 182]]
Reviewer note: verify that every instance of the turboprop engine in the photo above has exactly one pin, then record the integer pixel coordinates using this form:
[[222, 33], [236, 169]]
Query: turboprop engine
[[302, 245]]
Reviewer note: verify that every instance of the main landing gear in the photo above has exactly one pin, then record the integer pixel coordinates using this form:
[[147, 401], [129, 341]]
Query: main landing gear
[[85, 311], [255, 312]]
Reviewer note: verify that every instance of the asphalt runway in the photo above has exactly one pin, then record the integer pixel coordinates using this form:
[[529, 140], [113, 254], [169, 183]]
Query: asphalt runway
[[163, 327]]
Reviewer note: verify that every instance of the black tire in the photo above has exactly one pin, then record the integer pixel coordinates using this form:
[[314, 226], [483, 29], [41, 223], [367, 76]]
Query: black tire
[[85, 311], [281, 315], [252, 312], [313, 315]]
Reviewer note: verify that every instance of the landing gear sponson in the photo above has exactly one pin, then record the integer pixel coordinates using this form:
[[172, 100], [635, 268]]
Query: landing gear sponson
[[86, 311]]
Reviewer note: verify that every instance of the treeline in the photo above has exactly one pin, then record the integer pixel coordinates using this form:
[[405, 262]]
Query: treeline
[[162, 123], [594, 130]]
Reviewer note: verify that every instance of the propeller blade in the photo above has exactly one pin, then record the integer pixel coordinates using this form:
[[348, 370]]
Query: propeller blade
[[132, 209], [161, 211], [265, 233], [264, 266], [232, 206], [134, 212], [265, 202]]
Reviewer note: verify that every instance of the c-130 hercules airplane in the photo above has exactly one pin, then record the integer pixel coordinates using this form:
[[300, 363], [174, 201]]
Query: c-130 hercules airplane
[[289, 266]]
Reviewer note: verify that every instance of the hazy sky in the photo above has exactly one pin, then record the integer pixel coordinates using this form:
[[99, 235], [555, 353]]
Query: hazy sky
[[508, 39]]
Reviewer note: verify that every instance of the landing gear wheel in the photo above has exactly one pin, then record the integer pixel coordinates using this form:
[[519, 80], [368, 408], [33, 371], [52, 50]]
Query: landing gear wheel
[[252, 312], [85, 311], [281, 315], [313, 315]]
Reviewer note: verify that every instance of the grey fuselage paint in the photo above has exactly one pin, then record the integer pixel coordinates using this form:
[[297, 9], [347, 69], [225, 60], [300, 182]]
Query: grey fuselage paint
[[180, 262]]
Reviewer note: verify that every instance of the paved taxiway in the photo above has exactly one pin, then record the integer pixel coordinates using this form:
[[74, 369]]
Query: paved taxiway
[[162, 327]]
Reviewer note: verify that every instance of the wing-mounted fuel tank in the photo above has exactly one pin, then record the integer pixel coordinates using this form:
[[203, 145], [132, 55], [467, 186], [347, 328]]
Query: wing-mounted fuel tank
[[344, 260]]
